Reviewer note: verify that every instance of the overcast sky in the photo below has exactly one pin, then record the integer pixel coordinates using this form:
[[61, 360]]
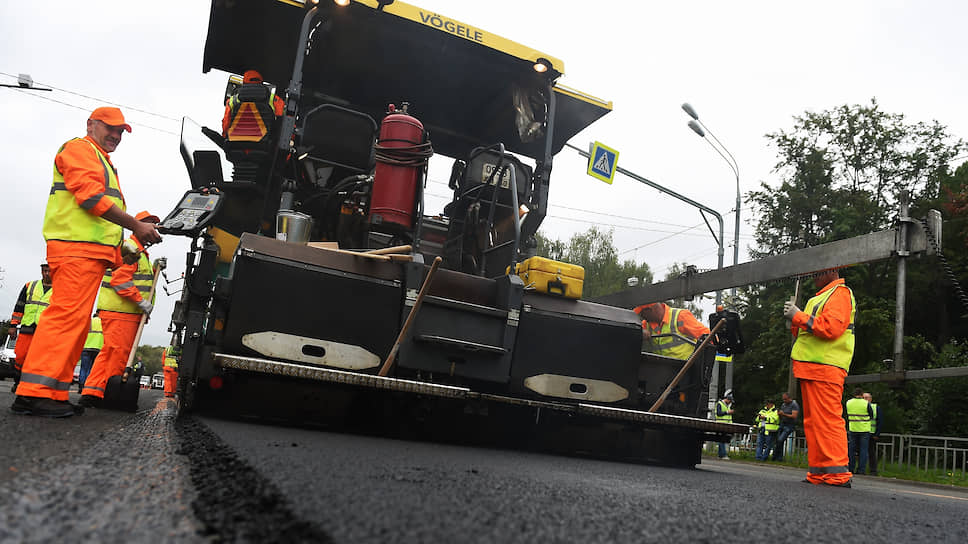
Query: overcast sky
[[747, 67]]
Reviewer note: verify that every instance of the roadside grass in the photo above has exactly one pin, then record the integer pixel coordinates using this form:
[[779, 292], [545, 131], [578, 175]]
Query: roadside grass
[[884, 469]]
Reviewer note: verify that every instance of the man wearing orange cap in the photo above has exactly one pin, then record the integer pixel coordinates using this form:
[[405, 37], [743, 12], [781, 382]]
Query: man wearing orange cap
[[251, 77], [120, 303], [83, 225], [674, 332]]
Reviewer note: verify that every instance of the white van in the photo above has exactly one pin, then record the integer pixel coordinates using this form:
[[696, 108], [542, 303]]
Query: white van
[[7, 358], [158, 381]]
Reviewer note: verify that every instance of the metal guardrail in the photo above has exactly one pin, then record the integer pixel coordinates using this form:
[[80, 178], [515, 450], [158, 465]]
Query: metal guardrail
[[919, 453]]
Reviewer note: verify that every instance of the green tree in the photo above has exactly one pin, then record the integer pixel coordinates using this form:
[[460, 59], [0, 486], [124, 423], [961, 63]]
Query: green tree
[[594, 250], [151, 357], [841, 172]]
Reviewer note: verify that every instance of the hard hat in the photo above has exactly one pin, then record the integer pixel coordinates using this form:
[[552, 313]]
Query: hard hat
[[252, 76]]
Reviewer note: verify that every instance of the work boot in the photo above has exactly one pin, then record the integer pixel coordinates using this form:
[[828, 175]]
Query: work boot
[[90, 401], [42, 406]]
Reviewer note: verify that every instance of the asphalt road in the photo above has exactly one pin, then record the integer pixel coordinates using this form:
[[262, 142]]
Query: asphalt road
[[145, 477]]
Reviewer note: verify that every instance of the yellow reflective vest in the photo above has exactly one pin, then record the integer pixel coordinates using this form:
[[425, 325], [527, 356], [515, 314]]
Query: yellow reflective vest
[[837, 352], [37, 301], [65, 220], [169, 359], [727, 417], [108, 299], [669, 342], [858, 416], [95, 335], [769, 420]]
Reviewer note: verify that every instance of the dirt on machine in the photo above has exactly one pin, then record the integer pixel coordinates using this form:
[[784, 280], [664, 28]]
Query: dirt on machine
[[319, 289]]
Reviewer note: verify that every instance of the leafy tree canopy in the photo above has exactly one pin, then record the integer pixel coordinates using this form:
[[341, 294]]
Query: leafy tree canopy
[[841, 172]]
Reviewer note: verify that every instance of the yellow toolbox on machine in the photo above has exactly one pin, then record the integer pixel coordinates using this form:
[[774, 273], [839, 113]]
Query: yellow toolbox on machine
[[551, 277]]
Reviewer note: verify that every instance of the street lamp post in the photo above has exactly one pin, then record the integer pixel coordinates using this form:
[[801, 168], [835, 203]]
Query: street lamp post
[[701, 129], [687, 200]]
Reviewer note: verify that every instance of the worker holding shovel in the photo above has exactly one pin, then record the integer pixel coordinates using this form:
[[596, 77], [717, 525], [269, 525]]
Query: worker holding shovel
[[121, 305]]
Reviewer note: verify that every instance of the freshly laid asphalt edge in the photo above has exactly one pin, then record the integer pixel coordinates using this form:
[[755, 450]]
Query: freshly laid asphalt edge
[[234, 502], [130, 485]]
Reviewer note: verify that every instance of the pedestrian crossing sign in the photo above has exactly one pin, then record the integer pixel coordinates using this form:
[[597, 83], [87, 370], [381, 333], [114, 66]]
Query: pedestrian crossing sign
[[602, 162]]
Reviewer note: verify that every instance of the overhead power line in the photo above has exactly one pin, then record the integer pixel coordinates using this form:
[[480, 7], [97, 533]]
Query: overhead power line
[[103, 100], [75, 106]]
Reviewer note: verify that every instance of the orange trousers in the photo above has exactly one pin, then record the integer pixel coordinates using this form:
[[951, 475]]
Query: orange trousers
[[823, 425], [21, 349], [171, 380], [119, 332], [48, 369]]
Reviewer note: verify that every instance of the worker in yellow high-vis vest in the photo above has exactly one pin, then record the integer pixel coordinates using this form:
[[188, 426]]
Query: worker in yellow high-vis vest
[[674, 332], [821, 356], [33, 300], [92, 346], [121, 302], [859, 415], [83, 226], [170, 359]]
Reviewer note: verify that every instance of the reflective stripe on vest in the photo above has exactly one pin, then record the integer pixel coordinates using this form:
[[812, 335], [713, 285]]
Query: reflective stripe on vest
[[108, 299], [858, 420], [837, 352], [670, 343], [724, 408], [770, 421], [95, 336], [37, 302], [874, 420], [65, 220]]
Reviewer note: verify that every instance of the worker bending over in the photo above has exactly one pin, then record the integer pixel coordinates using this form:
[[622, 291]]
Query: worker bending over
[[673, 332], [120, 304]]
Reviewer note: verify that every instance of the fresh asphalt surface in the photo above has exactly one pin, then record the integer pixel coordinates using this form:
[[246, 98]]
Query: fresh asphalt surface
[[145, 477]]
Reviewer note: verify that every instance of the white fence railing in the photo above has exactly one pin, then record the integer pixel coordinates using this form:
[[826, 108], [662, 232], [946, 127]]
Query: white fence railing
[[899, 451]]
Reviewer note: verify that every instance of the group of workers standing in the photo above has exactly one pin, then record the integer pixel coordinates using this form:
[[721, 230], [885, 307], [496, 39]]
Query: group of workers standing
[[774, 426], [83, 228], [863, 428]]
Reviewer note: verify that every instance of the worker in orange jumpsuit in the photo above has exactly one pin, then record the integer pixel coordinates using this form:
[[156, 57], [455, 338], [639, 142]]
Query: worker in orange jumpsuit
[[83, 225], [121, 303], [170, 361], [250, 77], [673, 332], [821, 356], [33, 300]]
